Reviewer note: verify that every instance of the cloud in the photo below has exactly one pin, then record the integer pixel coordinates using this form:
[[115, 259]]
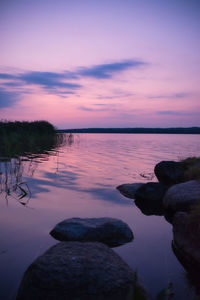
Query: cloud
[[106, 71], [7, 99], [170, 96], [48, 80], [13, 84], [176, 113], [84, 108], [60, 83], [115, 96], [7, 76], [100, 104]]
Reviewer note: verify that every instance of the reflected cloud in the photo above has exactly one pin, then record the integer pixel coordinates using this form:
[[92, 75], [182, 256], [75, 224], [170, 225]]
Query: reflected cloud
[[69, 180]]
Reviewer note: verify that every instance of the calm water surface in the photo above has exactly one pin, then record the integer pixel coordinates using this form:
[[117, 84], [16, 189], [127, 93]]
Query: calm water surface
[[80, 180]]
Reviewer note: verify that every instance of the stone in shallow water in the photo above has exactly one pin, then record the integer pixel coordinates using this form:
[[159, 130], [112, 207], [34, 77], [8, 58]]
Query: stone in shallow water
[[129, 189], [77, 271], [169, 172], [110, 231], [149, 198]]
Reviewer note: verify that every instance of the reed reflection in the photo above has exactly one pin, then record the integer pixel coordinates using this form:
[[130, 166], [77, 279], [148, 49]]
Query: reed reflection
[[20, 156]]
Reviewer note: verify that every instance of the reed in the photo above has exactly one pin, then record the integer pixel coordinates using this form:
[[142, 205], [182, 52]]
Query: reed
[[22, 138]]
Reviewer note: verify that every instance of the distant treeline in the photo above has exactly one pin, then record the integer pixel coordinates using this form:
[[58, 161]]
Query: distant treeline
[[177, 130]]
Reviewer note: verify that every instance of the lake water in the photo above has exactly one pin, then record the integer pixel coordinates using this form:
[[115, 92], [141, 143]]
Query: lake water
[[80, 180]]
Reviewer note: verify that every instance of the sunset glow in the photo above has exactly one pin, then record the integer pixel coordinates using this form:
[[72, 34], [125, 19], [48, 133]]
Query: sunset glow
[[81, 64]]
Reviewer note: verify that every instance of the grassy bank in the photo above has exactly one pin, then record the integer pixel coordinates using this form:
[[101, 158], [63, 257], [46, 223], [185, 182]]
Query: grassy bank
[[22, 138]]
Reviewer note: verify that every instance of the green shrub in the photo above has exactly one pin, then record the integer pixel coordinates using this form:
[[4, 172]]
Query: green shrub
[[191, 167]]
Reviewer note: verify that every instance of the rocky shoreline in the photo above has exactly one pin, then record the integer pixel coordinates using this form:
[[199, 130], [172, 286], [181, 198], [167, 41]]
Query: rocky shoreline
[[176, 196], [84, 267]]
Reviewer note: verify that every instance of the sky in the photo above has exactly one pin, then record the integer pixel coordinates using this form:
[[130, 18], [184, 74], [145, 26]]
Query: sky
[[108, 63]]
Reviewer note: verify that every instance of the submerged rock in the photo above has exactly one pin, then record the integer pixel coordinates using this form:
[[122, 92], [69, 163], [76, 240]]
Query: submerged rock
[[169, 172], [77, 271], [186, 240], [112, 232], [182, 196], [128, 189], [149, 198]]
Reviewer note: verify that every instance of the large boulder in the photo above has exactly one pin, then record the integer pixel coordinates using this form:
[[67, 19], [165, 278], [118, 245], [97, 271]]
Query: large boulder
[[186, 240], [128, 189], [169, 172], [182, 196], [77, 271], [149, 198], [110, 231], [172, 172]]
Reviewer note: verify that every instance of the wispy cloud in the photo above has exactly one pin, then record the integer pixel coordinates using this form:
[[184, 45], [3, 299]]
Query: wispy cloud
[[7, 99], [177, 113], [106, 71], [170, 96], [7, 76], [86, 108], [48, 80], [63, 83], [116, 95]]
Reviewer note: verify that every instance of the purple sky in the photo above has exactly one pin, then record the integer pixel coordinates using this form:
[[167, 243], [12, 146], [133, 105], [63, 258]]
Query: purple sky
[[100, 63]]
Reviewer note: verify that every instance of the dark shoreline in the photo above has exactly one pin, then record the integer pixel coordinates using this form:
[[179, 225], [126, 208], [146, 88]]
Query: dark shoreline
[[177, 130]]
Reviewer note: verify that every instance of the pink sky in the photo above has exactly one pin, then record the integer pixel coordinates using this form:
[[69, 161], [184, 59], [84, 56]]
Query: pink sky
[[100, 63]]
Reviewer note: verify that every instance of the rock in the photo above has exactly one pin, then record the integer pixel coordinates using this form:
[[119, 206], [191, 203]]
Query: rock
[[182, 196], [149, 198], [186, 240], [169, 172], [77, 271], [192, 274], [128, 189], [112, 232]]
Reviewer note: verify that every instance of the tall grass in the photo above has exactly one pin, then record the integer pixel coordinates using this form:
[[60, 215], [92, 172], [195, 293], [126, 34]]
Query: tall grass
[[21, 138]]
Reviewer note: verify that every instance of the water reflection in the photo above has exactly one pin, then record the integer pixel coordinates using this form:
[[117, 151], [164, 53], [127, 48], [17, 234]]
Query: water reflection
[[11, 178], [24, 162], [79, 180]]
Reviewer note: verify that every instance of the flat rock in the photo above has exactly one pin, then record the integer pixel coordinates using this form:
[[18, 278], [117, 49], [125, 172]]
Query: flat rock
[[149, 198], [77, 271], [128, 189], [182, 196], [169, 172], [110, 231]]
